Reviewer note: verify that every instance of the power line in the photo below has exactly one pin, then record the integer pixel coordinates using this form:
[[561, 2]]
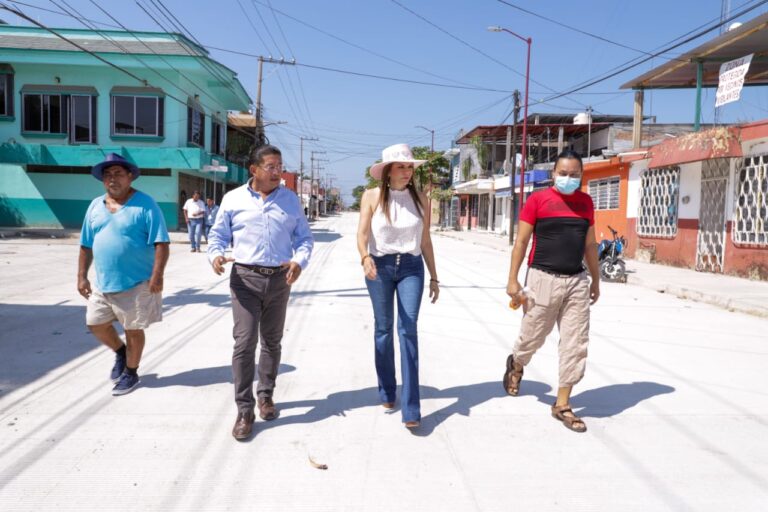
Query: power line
[[655, 54], [143, 81], [452, 36], [367, 75], [574, 29], [357, 46]]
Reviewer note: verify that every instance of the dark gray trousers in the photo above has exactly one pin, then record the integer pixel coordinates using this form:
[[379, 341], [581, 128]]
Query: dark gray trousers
[[258, 307]]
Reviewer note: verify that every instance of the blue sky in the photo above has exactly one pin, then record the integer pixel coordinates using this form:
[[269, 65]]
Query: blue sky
[[355, 117]]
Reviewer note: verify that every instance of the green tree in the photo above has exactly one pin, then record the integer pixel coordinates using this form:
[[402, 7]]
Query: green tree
[[357, 193], [434, 171]]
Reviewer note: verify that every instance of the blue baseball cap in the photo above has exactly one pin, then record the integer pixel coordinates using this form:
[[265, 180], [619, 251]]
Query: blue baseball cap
[[114, 159]]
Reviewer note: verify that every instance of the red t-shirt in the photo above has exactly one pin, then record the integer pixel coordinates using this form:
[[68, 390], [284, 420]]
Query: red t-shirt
[[560, 224]]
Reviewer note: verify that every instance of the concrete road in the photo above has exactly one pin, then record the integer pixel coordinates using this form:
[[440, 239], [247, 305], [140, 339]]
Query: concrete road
[[674, 399]]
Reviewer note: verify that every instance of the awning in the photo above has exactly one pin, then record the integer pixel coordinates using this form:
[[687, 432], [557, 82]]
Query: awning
[[478, 186], [720, 142], [59, 89]]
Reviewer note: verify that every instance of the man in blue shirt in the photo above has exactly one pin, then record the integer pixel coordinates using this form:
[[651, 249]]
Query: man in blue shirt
[[124, 233], [211, 210], [272, 244]]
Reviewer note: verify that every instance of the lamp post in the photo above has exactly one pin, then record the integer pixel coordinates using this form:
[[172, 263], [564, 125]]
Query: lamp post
[[429, 191], [432, 147], [528, 42]]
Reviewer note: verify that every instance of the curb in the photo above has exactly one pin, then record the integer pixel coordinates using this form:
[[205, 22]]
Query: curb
[[696, 296]]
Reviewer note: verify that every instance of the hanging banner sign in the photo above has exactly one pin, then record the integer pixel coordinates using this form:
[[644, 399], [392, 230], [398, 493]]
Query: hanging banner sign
[[732, 75]]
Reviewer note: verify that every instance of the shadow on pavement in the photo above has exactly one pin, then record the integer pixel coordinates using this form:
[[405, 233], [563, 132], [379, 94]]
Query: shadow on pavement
[[36, 339], [199, 377], [334, 293], [616, 398], [328, 236], [193, 296], [594, 403]]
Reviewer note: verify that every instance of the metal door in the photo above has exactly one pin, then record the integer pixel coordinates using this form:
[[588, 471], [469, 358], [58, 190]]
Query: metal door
[[710, 246]]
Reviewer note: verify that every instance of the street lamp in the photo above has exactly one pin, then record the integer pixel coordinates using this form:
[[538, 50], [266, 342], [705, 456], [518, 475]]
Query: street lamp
[[432, 148], [528, 42], [429, 191]]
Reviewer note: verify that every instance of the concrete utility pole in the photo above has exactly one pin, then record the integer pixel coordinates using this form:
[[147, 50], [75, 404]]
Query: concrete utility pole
[[319, 184], [312, 202], [513, 196], [301, 165], [589, 131], [258, 132]]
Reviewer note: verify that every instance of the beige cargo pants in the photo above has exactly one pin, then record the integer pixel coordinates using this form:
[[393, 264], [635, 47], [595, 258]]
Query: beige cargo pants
[[565, 300]]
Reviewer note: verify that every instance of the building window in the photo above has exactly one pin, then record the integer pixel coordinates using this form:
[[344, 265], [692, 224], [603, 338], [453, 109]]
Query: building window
[[44, 113], [605, 193], [6, 93], [82, 119], [218, 137], [750, 221], [659, 191], [195, 125], [137, 115]]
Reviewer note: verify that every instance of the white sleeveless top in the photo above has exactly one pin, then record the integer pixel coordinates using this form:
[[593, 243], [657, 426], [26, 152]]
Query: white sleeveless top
[[403, 235]]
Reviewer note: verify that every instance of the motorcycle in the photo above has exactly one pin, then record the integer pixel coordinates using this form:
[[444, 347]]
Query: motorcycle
[[612, 267]]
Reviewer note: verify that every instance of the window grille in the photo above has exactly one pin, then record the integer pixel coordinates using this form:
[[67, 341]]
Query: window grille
[[659, 191], [605, 193], [750, 220]]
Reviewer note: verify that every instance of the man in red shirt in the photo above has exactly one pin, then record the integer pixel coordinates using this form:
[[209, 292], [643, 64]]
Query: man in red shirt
[[561, 220]]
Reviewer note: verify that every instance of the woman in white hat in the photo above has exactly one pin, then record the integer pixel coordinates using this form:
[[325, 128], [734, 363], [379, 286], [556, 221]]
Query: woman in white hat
[[394, 243]]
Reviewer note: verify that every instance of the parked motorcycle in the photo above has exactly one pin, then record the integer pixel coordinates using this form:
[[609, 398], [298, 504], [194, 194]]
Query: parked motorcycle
[[612, 267]]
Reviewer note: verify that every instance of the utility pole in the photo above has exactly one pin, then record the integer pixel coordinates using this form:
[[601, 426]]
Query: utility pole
[[513, 196], [319, 185], [312, 202], [589, 131], [301, 167], [258, 134]]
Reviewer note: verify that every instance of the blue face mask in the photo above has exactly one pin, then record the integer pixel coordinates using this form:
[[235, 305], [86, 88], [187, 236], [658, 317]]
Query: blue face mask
[[566, 184]]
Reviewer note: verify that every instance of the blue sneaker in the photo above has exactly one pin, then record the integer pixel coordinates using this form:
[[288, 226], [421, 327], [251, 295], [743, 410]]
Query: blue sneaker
[[119, 367], [126, 384]]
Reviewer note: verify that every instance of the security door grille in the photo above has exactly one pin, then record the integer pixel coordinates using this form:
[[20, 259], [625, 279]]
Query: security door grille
[[710, 243]]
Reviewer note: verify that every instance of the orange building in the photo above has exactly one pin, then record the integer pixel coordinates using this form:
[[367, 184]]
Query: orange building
[[606, 181]]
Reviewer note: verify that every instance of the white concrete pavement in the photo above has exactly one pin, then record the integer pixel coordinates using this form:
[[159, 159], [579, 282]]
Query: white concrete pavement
[[673, 399], [728, 292]]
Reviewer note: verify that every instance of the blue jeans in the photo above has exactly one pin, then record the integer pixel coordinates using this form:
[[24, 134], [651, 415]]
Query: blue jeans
[[401, 276], [195, 230]]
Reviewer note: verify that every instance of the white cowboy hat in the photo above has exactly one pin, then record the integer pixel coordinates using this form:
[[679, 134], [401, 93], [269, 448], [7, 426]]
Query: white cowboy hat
[[397, 153]]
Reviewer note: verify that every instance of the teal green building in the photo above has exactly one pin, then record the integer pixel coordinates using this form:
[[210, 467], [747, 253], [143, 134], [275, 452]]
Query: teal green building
[[157, 99]]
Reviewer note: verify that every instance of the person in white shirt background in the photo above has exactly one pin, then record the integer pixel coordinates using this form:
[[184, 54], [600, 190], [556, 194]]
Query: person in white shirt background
[[394, 244], [194, 215]]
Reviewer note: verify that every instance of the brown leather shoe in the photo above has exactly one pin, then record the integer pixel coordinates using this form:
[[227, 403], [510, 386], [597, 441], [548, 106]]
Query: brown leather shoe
[[243, 426], [267, 410]]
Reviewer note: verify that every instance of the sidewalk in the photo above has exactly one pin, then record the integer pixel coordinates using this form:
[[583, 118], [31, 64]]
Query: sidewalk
[[727, 292]]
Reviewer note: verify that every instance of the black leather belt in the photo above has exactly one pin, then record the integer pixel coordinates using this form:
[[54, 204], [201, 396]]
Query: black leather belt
[[267, 271], [557, 274]]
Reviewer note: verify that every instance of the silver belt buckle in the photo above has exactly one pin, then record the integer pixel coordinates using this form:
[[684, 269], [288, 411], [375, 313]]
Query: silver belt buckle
[[266, 271]]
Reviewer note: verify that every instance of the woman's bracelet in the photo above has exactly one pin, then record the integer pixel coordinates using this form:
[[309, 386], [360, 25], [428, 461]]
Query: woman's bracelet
[[362, 261], [434, 281]]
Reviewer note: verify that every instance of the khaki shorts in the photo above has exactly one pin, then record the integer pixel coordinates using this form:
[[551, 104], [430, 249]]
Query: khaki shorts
[[135, 308]]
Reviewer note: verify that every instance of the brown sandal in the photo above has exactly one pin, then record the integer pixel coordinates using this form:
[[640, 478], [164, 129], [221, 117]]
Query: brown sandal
[[512, 376], [572, 422]]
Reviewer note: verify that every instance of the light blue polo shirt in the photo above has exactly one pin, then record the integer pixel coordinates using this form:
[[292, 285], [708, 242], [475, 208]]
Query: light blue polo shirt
[[123, 242]]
